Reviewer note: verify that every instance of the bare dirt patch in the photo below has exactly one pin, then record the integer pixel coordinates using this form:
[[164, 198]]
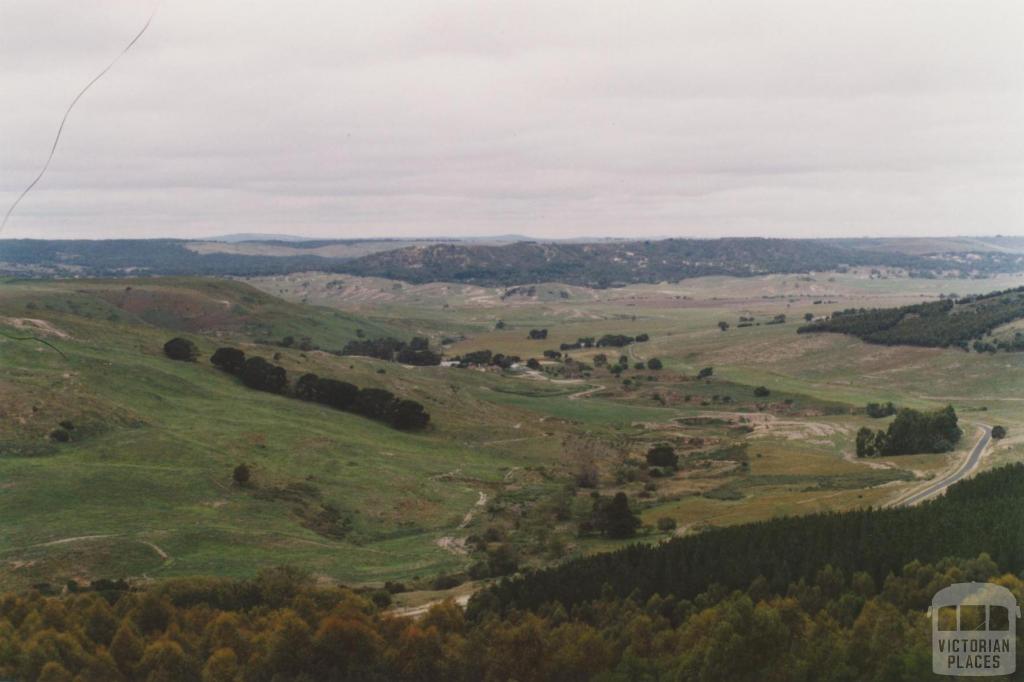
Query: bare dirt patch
[[764, 424], [453, 545], [34, 326]]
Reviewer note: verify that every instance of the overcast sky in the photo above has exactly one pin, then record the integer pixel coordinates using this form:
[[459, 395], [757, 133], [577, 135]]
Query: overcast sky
[[553, 119]]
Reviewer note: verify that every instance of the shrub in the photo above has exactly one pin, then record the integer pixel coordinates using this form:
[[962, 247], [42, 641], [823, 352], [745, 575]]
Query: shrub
[[263, 376], [231, 360], [445, 582], [878, 411], [374, 403], [662, 456], [615, 518], [241, 474], [421, 357], [409, 415], [666, 524], [654, 364], [181, 349], [341, 395], [762, 392], [615, 340], [381, 598], [382, 349]]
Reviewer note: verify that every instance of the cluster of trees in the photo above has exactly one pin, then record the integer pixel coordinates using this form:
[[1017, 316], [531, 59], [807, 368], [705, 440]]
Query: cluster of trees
[[582, 342], [304, 343], [374, 403], [939, 324], [836, 625], [912, 433], [601, 360], [484, 358], [611, 517], [880, 410], [1014, 344], [620, 340], [255, 372], [415, 352]]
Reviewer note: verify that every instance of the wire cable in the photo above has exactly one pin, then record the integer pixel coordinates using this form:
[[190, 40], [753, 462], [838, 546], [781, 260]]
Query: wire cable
[[56, 139]]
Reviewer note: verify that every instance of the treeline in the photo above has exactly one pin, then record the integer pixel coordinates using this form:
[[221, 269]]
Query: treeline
[[415, 352], [974, 516], [939, 324], [835, 626], [373, 403], [911, 433]]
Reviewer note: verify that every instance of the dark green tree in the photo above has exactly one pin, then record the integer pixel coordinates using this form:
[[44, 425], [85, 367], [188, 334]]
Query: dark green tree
[[231, 360], [663, 455], [181, 349]]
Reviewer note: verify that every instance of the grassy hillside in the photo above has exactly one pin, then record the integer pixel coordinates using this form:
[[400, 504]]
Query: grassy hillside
[[144, 486]]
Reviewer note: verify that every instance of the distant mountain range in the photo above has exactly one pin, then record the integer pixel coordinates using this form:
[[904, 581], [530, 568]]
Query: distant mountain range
[[490, 262], [625, 262], [255, 237], [495, 239]]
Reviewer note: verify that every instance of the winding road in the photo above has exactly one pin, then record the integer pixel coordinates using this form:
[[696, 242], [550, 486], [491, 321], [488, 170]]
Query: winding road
[[967, 467]]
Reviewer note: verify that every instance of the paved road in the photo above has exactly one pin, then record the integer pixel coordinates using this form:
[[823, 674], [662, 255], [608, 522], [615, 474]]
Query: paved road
[[967, 467]]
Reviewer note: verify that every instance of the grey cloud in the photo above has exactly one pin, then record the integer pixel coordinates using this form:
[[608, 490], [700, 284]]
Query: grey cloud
[[552, 119]]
